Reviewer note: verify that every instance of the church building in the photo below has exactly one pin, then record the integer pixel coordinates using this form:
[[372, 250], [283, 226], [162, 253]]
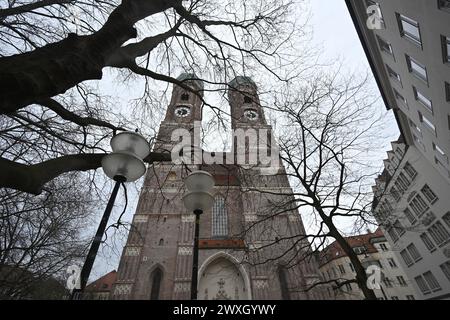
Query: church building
[[252, 243]]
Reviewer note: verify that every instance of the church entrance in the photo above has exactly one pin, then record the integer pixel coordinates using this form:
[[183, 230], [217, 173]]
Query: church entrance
[[221, 280]]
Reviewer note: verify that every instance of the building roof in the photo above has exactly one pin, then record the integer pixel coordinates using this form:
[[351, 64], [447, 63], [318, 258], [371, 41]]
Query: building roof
[[241, 80], [335, 251], [193, 78], [103, 284]]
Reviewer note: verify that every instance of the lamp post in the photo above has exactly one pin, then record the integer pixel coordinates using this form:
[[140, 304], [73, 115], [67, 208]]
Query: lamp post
[[124, 164], [197, 199]]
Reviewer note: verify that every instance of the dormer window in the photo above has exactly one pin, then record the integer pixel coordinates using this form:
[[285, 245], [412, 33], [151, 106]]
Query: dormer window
[[247, 99], [184, 97]]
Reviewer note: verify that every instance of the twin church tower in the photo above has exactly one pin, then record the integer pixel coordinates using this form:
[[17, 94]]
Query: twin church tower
[[250, 243]]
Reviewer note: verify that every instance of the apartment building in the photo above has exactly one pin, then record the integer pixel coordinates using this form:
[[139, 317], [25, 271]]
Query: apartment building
[[407, 43], [412, 206], [372, 249]]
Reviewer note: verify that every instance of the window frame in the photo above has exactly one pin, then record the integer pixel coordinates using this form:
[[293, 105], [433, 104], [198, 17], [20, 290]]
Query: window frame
[[405, 34], [410, 62], [445, 43], [444, 8], [423, 100]]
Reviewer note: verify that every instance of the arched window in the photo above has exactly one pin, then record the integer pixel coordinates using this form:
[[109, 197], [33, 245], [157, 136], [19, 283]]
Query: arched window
[[184, 97], [156, 278], [161, 242], [247, 99], [283, 283], [219, 218]]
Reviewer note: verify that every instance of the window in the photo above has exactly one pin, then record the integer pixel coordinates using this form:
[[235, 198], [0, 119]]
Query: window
[[406, 257], [432, 282], [413, 252], [439, 233], [395, 194], [427, 241], [416, 68], [445, 48], [348, 286], [422, 285], [184, 97], [219, 218], [444, 5], [418, 205], [161, 242], [446, 219], [410, 170], [447, 91], [409, 28], [385, 46], [399, 228], [387, 282], [359, 250], [423, 100], [401, 281], [429, 194], [445, 267], [282, 277], [439, 150], [394, 75], [392, 263], [351, 267], [393, 234], [155, 277], [403, 180], [400, 97], [410, 297], [341, 269], [427, 122], [394, 298], [247, 99], [383, 247], [411, 218]]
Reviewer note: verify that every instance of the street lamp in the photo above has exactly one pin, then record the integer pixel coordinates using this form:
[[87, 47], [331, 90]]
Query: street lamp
[[124, 164], [198, 199]]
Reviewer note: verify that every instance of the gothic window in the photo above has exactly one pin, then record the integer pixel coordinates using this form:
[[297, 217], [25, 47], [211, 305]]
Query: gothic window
[[156, 278], [247, 99], [219, 218], [283, 283], [184, 97]]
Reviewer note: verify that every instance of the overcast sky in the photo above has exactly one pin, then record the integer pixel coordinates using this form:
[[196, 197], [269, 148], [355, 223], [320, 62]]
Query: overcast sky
[[334, 32]]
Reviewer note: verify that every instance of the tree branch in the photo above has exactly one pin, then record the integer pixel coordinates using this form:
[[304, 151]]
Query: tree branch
[[32, 178]]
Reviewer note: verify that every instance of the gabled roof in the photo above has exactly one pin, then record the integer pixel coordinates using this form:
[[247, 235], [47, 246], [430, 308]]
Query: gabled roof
[[104, 283], [335, 251]]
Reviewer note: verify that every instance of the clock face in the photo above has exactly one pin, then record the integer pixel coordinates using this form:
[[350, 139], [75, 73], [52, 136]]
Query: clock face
[[251, 114], [182, 111]]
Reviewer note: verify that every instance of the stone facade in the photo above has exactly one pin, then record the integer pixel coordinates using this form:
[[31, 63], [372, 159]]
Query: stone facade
[[242, 230]]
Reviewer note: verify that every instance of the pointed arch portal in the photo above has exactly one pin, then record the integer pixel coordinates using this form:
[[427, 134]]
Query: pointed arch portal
[[222, 278]]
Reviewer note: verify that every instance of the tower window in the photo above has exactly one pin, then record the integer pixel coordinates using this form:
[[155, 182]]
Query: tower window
[[219, 218], [184, 97], [247, 99], [161, 242], [285, 294], [156, 277]]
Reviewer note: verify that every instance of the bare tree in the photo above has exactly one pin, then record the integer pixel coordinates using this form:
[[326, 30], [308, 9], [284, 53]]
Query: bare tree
[[51, 49], [42, 235], [329, 130]]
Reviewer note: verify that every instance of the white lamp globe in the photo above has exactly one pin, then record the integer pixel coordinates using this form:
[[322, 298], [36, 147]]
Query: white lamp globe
[[123, 166], [199, 181], [131, 142], [198, 200]]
